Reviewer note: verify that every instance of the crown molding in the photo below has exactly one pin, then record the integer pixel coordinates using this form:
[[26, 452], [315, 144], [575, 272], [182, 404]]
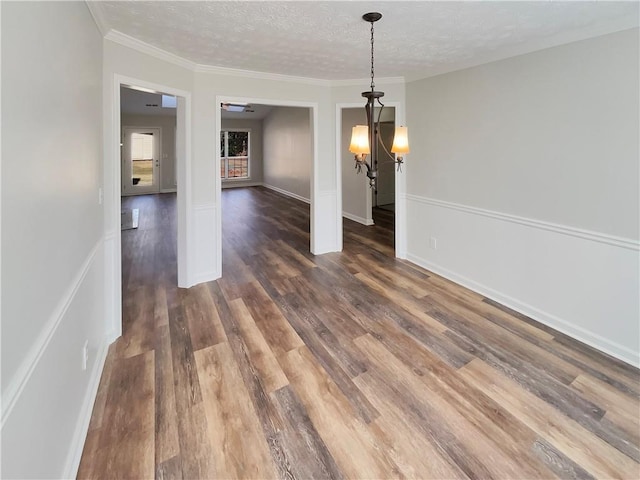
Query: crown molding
[[98, 18], [561, 39], [146, 48], [143, 47], [236, 72]]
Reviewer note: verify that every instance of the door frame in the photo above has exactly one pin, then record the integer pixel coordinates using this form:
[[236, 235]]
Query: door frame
[[112, 193], [315, 188], [157, 152], [400, 180]]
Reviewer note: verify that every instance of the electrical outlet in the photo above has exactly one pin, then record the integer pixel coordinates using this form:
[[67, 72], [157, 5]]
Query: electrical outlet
[[85, 354], [433, 243]]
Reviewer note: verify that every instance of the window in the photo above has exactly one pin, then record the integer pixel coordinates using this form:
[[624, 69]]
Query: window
[[234, 154]]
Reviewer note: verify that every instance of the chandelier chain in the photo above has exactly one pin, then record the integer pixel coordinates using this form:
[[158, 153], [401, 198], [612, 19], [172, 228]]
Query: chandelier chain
[[373, 85]]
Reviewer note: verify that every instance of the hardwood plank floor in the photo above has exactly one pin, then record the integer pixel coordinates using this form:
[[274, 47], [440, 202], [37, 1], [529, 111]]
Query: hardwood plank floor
[[345, 365]]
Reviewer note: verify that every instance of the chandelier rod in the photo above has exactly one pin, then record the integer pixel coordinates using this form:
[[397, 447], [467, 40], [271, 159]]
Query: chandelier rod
[[373, 85]]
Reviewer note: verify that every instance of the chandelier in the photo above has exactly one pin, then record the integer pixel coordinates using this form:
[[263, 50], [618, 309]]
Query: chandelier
[[365, 139]]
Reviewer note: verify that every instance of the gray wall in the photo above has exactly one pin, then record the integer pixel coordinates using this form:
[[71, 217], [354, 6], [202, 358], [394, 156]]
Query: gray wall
[[168, 125], [386, 183], [256, 148], [356, 193], [288, 150], [52, 230], [523, 183]]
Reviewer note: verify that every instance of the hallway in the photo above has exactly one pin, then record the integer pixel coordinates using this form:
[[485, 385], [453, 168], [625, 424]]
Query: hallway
[[345, 365]]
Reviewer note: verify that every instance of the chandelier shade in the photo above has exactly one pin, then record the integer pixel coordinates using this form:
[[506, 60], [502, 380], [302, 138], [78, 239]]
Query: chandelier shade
[[400, 141], [360, 140]]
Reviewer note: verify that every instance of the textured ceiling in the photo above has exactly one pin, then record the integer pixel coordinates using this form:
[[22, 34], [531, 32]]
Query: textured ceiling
[[329, 40]]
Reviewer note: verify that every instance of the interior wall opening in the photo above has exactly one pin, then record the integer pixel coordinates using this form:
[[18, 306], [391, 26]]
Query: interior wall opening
[[266, 153], [151, 129], [372, 207]]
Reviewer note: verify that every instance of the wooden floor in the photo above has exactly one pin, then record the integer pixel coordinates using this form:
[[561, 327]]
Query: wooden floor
[[345, 365]]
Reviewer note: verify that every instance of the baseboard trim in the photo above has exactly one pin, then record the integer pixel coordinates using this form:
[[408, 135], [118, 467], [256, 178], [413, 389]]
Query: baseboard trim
[[622, 242], [287, 193], [205, 277], [239, 184], [168, 190], [356, 218], [596, 341], [82, 427], [17, 384]]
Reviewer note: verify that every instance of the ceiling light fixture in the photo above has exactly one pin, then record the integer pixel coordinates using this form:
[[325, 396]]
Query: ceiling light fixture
[[365, 138], [235, 107]]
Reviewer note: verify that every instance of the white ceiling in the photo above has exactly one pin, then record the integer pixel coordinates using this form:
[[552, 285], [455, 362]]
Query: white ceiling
[[329, 40]]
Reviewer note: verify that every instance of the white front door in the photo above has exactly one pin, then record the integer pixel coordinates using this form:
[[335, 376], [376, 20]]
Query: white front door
[[140, 160]]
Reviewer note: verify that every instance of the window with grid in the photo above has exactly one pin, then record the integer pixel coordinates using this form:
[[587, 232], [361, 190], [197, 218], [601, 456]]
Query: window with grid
[[234, 154]]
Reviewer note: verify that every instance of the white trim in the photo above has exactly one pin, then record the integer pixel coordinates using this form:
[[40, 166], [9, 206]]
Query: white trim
[[185, 247], [82, 427], [98, 18], [240, 183], [168, 190], [607, 239], [356, 218], [287, 193], [314, 231], [596, 29], [146, 48], [596, 341], [38, 347]]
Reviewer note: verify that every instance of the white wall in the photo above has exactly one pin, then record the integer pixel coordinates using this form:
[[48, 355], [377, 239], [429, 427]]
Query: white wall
[[168, 125], [255, 150], [288, 151], [356, 193], [52, 244], [525, 172]]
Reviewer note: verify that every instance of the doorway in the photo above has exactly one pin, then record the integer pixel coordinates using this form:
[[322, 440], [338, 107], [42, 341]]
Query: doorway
[[141, 154], [113, 191], [295, 162], [359, 200], [384, 205]]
